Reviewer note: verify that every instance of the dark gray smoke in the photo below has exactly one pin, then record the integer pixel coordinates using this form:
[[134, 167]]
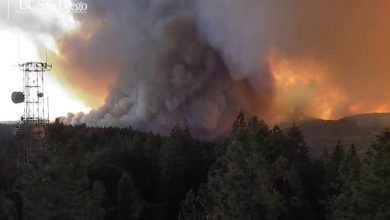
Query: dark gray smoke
[[199, 62], [167, 73]]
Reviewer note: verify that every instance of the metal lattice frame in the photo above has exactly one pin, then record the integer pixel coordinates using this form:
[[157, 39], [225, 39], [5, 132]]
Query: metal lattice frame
[[34, 108], [34, 111]]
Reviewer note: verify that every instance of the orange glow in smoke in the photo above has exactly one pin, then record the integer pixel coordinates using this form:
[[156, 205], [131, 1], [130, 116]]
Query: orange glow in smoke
[[302, 89], [360, 108]]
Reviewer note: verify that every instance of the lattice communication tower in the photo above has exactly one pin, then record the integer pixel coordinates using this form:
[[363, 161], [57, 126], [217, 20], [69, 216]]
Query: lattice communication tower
[[31, 130]]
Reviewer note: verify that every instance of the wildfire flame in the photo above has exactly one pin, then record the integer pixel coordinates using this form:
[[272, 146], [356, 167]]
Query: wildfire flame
[[303, 88]]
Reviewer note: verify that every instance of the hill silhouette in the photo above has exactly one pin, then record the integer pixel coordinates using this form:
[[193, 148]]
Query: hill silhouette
[[359, 130]]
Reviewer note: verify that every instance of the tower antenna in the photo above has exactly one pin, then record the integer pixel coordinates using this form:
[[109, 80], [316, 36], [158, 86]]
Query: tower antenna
[[18, 48], [48, 113], [31, 130]]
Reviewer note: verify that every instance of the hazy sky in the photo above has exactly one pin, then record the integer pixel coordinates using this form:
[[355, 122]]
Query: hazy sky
[[302, 58], [156, 63], [24, 37]]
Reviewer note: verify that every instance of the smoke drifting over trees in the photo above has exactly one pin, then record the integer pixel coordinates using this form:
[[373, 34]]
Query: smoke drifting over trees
[[199, 62]]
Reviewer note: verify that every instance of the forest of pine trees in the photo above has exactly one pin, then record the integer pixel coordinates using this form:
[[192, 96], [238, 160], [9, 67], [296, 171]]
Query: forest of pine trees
[[254, 172]]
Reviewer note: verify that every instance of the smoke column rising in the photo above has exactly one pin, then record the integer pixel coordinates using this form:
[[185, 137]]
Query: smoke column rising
[[198, 63], [165, 73]]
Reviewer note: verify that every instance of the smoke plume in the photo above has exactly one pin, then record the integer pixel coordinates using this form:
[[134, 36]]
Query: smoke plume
[[199, 62], [162, 72]]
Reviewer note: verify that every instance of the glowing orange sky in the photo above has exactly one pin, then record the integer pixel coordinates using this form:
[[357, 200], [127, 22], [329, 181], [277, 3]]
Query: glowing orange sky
[[327, 59], [89, 80], [304, 88]]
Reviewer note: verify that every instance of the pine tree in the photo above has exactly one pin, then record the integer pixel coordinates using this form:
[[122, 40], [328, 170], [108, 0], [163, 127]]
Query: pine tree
[[332, 182], [56, 188], [129, 204], [297, 145], [293, 176], [239, 184], [194, 206], [340, 205], [372, 194], [174, 165]]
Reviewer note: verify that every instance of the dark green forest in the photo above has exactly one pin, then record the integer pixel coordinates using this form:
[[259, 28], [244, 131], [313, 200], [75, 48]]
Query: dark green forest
[[254, 172]]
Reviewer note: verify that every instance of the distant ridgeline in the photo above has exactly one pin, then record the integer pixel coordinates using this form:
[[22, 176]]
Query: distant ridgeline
[[360, 130]]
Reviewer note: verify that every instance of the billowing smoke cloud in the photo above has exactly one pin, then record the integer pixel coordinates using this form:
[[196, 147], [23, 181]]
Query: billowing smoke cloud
[[165, 73], [199, 62], [335, 52]]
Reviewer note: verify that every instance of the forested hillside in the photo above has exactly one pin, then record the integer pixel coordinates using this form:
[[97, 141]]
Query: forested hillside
[[359, 130], [256, 172]]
